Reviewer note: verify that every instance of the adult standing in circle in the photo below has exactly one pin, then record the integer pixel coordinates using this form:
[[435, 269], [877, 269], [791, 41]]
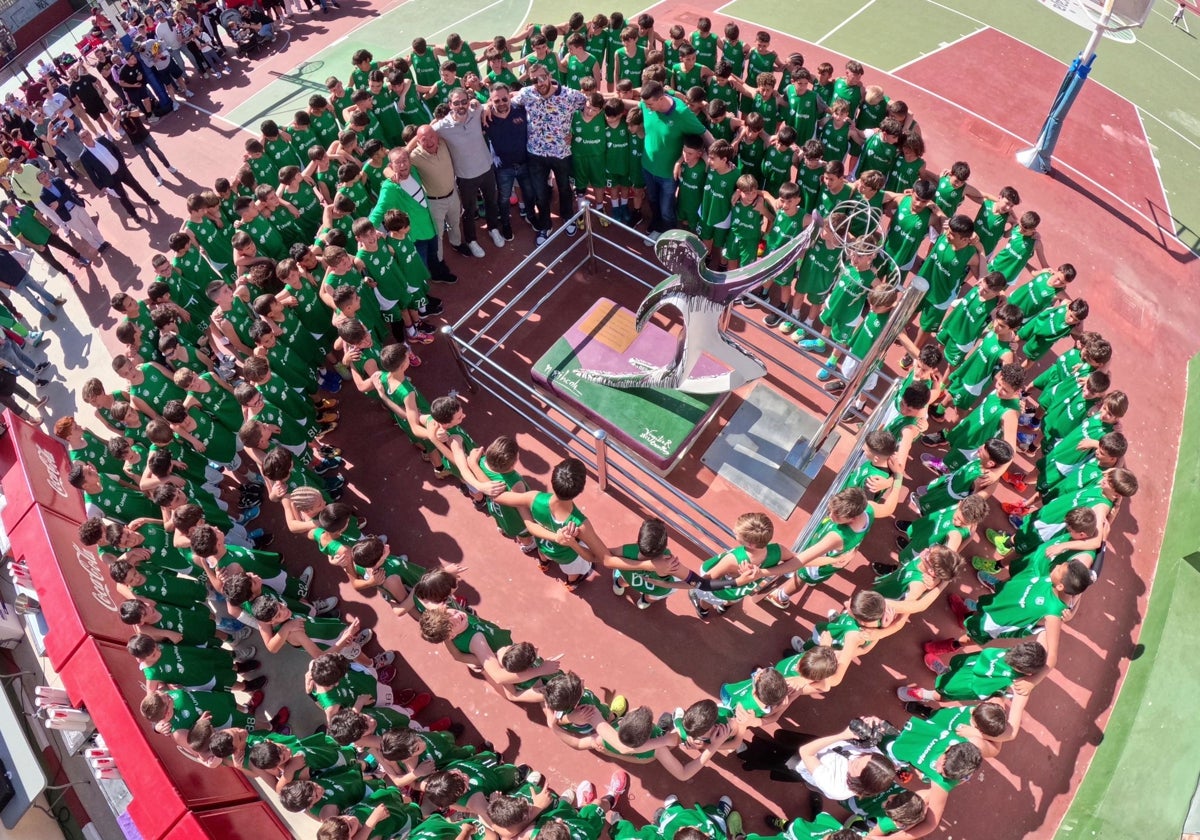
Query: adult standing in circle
[[550, 107], [667, 120]]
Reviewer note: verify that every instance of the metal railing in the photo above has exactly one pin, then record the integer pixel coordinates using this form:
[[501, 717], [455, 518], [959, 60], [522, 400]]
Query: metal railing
[[613, 466]]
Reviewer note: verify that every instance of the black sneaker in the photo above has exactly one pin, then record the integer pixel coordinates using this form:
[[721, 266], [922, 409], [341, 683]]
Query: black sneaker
[[776, 824], [265, 540], [773, 320], [506, 231], [902, 542], [327, 465], [902, 525], [433, 307], [934, 439], [462, 249], [256, 683], [448, 278], [919, 710], [425, 327], [882, 569]]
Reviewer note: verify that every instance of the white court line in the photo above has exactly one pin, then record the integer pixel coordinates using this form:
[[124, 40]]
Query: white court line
[[1168, 60], [1157, 169], [465, 19], [830, 33], [957, 12], [1059, 163], [947, 46], [723, 7], [1170, 128]]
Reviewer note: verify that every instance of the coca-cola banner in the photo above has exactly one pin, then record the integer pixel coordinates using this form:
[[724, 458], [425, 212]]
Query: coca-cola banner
[[33, 470], [77, 597], [103, 677]]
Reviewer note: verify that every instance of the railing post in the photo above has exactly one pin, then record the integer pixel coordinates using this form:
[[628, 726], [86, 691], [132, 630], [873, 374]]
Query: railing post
[[896, 323], [601, 437], [589, 230], [447, 332]]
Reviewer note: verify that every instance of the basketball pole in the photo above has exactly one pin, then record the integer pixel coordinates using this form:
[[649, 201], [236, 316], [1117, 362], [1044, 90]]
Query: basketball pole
[[1039, 158]]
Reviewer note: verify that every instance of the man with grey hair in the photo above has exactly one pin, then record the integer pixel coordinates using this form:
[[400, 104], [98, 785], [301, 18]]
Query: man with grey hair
[[431, 159]]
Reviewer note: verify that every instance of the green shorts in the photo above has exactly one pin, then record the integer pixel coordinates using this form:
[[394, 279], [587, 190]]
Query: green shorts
[[931, 317], [718, 236], [636, 179], [745, 251], [589, 172], [619, 180]]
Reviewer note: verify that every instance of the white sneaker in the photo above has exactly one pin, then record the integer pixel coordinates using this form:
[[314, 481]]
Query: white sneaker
[[498, 238], [172, 170], [188, 94], [363, 636], [476, 250], [325, 606]]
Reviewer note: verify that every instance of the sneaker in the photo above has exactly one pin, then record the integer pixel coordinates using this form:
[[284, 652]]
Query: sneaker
[[776, 824], [256, 700], [902, 525], [823, 374], [912, 694], [882, 569], [701, 611], [256, 684], [542, 236], [643, 604], [1029, 421], [383, 660], [497, 238], [919, 710], [934, 439], [278, 721], [572, 229], [1001, 541], [835, 386], [934, 663], [426, 328], [934, 464], [476, 250], [158, 180], [906, 362], [239, 636], [172, 170], [724, 807], [386, 675], [585, 794], [442, 724], [617, 785], [734, 825], [902, 542], [959, 607], [418, 337], [1016, 521], [618, 587], [773, 320], [325, 605], [779, 599], [264, 539], [506, 231], [619, 705], [326, 465], [990, 581], [249, 515], [1026, 438], [362, 637], [939, 647], [244, 654], [1021, 509], [797, 644], [788, 327], [419, 703], [816, 345], [985, 564]]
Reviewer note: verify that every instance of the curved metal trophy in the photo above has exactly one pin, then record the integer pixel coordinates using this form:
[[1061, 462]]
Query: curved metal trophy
[[701, 297]]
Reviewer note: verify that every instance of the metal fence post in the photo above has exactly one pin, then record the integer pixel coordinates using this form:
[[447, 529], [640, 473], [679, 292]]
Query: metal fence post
[[896, 323], [589, 231], [601, 437], [447, 332]]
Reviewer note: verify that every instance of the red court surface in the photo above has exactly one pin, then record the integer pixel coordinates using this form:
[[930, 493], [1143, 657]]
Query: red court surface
[[1012, 86], [1138, 286]]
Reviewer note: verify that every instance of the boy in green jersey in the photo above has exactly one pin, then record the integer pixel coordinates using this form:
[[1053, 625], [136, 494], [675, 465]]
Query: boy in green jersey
[[587, 147], [843, 310], [733, 50], [691, 173], [881, 149], [836, 132], [966, 382], [780, 160], [474, 641], [494, 468], [564, 696], [950, 527], [206, 227], [951, 188], [175, 711], [995, 216], [968, 316], [913, 587], [196, 669], [762, 696], [909, 419], [881, 300], [650, 586], [408, 755], [579, 64], [755, 557], [629, 59], [815, 274], [834, 544], [688, 72], [909, 166], [804, 107], [748, 213], [987, 673], [980, 476], [618, 158], [717, 200], [995, 416], [1024, 243], [1042, 291], [810, 170], [442, 426], [949, 261], [867, 618], [1042, 331], [705, 43], [787, 223], [564, 534], [910, 219]]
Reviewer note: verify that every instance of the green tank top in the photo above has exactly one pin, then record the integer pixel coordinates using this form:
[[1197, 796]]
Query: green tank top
[[691, 191], [851, 540], [169, 588], [188, 706], [745, 223], [541, 513], [989, 225], [644, 583], [906, 232], [1013, 257], [947, 197], [965, 323], [802, 113], [922, 742], [508, 519], [773, 556], [904, 173], [346, 692], [895, 585], [495, 636], [944, 268], [740, 695], [198, 669]]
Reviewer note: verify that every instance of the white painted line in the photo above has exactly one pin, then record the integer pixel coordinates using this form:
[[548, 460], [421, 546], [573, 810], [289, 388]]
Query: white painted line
[[830, 33], [524, 18], [1157, 169], [1168, 60], [1172, 129], [956, 11], [464, 19], [941, 47], [1057, 162]]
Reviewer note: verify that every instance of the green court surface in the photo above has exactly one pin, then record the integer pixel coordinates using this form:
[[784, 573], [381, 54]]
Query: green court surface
[[1159, 73], [1143, 774], [384, 36]]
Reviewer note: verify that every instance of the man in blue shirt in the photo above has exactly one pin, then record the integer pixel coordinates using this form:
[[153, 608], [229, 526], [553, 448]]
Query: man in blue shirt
[[508, 132]]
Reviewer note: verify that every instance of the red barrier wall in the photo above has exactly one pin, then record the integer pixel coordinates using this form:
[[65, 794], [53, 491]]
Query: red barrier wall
[[33, 470], [255, 820]]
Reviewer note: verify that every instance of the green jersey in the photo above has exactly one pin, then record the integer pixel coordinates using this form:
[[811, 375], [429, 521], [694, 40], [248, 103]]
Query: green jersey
[[1035, 296], [829, 201], [735, 53], [977, 676], [346, 693], [818, 269], [777, 167], [1014, 256], [895, 585], [772, 556], [906, 232], [922, 742], [495, 636], [739, 696], [542, 514], [194, 624], [818, 828], [398, 392], [464, 59], [947, 197], [426, 67], [835, 138], [750, 155], [990, 226], [706, 49], [156, 388], [342, 788], [803, 112], [579, 69], [844, 309], [188, 706], [965, 322], [948, 490], [934, 528], [759, 62], [586, 823], [904, 173], [967, 381], [644, 583], [1042, 331], [851, 540], [879, 155], [718, 193], [192, 668], [852, 95], [164, 587], [863, 473], [324, 128], [1015, 610], [691, 192], [866, 334], [971, 432], [215, 241], [944, 268], [630, 66], [683, 79], [507, 519], [808, 178]]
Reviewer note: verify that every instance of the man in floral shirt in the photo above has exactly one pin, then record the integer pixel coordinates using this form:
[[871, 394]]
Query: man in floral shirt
[[549, 107]]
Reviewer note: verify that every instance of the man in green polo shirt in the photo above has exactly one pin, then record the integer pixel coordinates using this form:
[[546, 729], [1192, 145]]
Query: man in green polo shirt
[[402, 190], [32, 229], [667, 119]]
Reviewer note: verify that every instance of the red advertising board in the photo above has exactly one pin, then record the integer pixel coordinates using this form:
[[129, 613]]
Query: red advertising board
[[72, 583], [255, 820], [165, 784], [33, 470]]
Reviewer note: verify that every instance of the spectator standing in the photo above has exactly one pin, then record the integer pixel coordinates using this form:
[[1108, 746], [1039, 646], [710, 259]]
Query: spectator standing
[[87, 96], [508, 132], [402, 189], [106, 167], [132, 80], [549, 107], [70, 209], [14, 276], [462, 131], [130, 121], [34, 229], [431, 157], [666, 120]]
